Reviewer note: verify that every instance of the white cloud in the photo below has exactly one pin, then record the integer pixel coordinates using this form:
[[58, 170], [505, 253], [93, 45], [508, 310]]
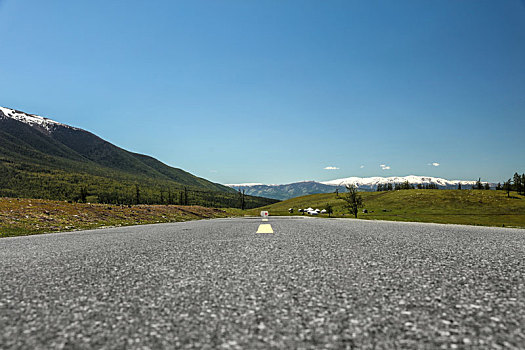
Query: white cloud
[[385, 167], [434, 164], [331, 168], [362, 166]]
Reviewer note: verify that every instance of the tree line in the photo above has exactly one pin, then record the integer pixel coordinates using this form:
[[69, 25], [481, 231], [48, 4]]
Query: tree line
[[22, 181], [516, 183], [405, 186], [478, 185]]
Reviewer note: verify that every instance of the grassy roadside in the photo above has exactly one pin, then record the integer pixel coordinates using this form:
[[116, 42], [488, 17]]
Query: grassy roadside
[[467, 207], [33, 216]]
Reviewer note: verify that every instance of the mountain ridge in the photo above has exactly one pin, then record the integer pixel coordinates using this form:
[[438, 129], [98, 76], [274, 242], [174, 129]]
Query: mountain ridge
[[296, 189]]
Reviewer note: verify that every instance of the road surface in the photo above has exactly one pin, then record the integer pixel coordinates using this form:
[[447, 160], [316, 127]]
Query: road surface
[[312, 284]]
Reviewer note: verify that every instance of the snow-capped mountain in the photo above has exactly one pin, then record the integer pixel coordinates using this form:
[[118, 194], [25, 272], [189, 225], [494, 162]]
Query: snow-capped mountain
[[372, 182], [296, 189], [33, 120]]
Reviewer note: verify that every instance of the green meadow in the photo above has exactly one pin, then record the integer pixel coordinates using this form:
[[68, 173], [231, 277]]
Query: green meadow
[[466, 207]]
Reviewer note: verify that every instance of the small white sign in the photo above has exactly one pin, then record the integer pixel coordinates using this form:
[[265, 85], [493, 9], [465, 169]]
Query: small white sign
[[264, 214]]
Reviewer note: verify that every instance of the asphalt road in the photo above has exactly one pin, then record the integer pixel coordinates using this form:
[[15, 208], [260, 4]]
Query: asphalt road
[[313, 284]]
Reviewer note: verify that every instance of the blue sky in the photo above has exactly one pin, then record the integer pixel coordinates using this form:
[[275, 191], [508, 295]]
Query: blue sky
[[275, 91]]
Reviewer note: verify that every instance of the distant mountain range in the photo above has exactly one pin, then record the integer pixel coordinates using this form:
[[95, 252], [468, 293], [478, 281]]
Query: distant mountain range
[[283, 192], [42, 158]]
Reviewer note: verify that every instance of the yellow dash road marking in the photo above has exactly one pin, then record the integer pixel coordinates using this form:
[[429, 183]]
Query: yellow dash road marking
[[264, 219], [265, 228]]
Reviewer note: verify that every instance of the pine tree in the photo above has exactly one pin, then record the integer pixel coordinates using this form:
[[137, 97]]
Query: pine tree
[[137, 194], [83, 194], [242, 201], [478, 185], [507, 187], [516, 182]]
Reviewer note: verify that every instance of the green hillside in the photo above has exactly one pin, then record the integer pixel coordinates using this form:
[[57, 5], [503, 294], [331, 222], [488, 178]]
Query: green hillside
[[469, 207], [64, 163]]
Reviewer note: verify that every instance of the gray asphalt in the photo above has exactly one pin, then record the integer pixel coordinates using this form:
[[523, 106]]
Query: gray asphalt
[[313, 284]]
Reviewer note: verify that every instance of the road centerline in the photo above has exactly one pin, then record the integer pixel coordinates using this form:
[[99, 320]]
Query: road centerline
[[265, 228]]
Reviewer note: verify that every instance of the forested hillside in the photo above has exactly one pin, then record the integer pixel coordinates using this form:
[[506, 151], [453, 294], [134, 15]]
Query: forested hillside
[[40, 158]]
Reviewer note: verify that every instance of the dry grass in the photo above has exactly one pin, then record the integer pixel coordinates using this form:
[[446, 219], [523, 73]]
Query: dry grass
[[32, 216]]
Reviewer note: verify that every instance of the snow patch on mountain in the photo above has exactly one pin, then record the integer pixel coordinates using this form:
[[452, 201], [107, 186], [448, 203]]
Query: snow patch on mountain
[[32, 119]]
